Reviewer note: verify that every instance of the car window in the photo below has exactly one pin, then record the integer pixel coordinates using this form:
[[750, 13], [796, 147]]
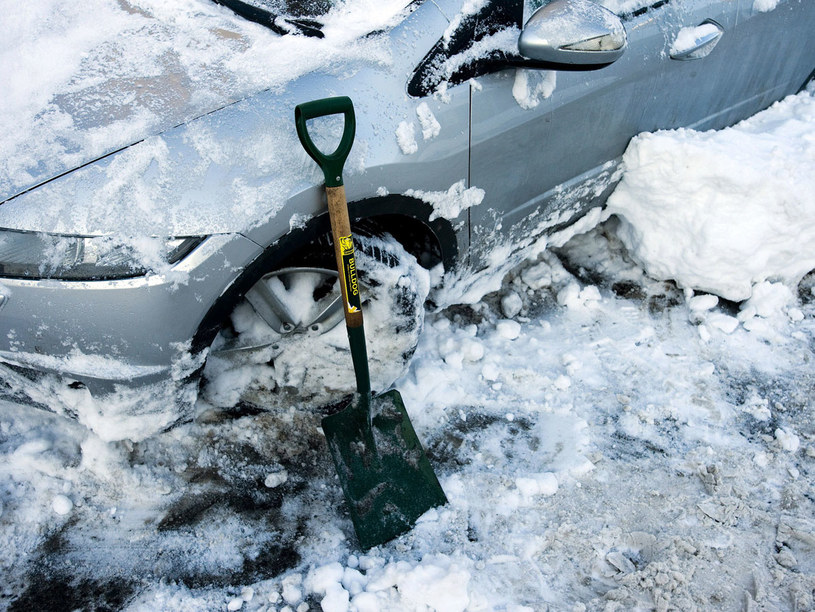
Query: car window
[[623, 8], [288, 16], [282, 16], [485, 41], [294, 8], [480, 43]]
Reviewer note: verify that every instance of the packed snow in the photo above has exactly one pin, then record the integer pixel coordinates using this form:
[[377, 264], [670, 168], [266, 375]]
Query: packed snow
[[703, 214], [764, 6], [691, 38], [406, 131], [451, 203], [532, 86], [612, 432], [306, 364]]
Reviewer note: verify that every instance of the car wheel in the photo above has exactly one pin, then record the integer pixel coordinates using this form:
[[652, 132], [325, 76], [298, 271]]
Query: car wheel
[[286, 340]]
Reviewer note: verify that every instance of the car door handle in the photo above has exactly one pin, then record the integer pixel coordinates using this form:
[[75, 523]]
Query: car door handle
[[698, 42]]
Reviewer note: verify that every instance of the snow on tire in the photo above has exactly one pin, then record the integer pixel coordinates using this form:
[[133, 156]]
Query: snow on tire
[[300, 352]]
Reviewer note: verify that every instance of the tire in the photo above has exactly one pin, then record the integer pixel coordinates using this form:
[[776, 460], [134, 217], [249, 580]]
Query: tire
[[268, 360]]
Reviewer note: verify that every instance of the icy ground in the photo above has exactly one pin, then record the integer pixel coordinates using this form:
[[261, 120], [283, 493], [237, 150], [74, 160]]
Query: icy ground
[[607, 441]]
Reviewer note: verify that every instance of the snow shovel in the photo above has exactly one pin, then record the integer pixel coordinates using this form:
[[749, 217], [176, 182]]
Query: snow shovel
[[384, 472]]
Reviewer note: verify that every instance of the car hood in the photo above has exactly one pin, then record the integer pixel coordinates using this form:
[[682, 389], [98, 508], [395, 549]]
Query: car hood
[[129, 70]]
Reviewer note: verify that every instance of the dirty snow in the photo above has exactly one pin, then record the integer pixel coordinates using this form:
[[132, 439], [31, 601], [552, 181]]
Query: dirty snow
[[598, 449]]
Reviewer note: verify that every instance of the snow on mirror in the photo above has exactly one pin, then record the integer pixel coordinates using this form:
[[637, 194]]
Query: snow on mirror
[[577, 32]]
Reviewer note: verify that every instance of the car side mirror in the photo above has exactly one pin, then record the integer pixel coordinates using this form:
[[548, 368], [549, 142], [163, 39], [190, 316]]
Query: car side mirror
[[573, 33]]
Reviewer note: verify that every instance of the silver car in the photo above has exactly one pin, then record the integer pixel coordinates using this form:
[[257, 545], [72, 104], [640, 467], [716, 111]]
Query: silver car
[[488, 125]]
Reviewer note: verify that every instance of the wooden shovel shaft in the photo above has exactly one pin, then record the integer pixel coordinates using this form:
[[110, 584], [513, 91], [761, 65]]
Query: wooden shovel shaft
[[344, 252], [349, 286]]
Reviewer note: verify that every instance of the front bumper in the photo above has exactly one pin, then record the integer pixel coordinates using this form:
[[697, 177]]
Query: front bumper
[[118, 333]]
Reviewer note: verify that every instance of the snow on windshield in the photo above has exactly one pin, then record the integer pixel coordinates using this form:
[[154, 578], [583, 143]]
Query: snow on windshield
[[85, 78]]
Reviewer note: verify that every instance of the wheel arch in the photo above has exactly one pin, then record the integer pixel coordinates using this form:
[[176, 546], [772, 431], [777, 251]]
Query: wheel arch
[[406, 218]]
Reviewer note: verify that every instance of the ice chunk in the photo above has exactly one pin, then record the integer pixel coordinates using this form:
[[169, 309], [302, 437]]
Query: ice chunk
[[406, 137], [430, 125], [62, 505]]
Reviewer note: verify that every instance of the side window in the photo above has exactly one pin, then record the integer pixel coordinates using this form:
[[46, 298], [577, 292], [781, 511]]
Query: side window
[[623, 8], [530, 6], [481, 43], [627, 9], [486, 41]]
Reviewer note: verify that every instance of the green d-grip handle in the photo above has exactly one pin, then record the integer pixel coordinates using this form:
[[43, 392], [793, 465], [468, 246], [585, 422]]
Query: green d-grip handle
[[331, 164]]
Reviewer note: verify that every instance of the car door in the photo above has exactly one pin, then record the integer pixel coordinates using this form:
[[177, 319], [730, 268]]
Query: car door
[[727, 59], [785, 27], [544, 143]]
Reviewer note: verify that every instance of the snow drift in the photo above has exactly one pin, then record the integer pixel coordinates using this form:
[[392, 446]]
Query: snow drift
[[722, 211]]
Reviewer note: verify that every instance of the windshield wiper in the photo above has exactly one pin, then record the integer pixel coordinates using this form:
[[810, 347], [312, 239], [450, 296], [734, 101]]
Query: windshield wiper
[[276, 23]]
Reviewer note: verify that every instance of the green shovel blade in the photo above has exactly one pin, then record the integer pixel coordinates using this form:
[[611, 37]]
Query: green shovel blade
[[384, 472]]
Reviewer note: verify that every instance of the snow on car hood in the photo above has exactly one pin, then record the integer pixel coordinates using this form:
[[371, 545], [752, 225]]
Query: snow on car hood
[[84, 79]]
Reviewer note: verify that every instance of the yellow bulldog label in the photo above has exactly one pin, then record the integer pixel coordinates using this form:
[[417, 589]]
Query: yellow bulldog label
[[349, 273], [347, 245]]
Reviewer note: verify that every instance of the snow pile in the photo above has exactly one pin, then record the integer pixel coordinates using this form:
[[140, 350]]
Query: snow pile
[[437, 583], [723, 211]]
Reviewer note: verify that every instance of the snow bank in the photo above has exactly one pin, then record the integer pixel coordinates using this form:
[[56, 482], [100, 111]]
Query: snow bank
[[721, 211]]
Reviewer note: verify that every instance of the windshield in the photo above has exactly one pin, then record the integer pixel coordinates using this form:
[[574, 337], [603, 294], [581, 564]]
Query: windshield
[[294, 8], [283, 16]]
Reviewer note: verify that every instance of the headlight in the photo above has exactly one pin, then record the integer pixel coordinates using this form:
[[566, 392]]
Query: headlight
[[38, 255]]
